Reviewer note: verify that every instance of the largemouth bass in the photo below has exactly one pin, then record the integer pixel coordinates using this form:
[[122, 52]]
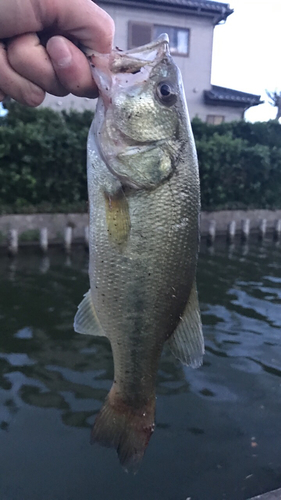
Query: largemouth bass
[[144, 204]]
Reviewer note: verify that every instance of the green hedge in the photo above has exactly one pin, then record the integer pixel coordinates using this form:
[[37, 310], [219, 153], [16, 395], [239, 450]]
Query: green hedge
[[240, 164], [43, 162]]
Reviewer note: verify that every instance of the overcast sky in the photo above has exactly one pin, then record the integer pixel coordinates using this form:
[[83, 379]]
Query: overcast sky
[[246, 52]]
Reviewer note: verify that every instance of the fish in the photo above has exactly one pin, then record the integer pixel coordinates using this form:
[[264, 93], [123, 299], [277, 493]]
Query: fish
[[144, 208]]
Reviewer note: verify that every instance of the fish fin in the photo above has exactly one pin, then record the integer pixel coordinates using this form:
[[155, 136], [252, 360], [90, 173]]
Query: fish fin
[[187, 342], [86, 320], [120, 426], [117, 217]]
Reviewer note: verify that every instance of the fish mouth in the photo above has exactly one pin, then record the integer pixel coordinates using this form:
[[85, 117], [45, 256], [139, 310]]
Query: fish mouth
[[161, 41], [107, 69], [149, 52], [125, 68], [132, 60]]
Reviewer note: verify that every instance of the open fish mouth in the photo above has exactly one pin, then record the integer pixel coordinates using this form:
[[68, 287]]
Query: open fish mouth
[[126, 67], [161, 40], [132, 60], [138, 56]]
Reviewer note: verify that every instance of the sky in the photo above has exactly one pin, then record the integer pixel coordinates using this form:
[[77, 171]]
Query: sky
[[247, 52], [2, 111]]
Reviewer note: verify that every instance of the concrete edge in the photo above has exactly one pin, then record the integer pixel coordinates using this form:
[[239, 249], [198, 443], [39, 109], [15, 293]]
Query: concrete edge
[[57, 222]]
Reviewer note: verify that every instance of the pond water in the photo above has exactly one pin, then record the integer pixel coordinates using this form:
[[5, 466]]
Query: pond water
[[218, 428]]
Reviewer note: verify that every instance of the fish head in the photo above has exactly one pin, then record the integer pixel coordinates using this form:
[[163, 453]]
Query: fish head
[[141, 114]]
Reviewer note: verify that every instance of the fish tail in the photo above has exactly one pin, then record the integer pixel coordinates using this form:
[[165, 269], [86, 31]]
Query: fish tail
[[124, 428]]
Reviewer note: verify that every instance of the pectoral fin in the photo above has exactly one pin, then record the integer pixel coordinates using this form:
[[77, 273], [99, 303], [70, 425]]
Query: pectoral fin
[[86, 320], [187, 342], [117, 217]]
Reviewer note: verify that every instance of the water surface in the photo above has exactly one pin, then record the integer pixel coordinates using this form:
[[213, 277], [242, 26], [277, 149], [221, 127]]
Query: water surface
[[218, 428]]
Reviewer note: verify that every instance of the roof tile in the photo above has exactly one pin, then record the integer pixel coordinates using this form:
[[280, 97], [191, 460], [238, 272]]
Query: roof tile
[[224, 96], [207, 7]]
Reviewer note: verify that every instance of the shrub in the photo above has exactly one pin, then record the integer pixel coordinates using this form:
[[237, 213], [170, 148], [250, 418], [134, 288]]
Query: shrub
[[43, 162], [240, 164], [43, 158]]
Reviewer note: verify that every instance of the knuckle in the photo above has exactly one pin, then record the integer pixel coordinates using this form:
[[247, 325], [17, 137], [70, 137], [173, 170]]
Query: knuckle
[[15, 52], [32, 96], [19, 49], [12, 84]]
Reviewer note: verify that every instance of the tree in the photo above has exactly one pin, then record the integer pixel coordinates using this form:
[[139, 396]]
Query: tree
[[275, 100]]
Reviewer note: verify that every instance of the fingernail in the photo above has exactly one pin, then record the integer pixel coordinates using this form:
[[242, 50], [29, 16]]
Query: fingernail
[[59, 52]]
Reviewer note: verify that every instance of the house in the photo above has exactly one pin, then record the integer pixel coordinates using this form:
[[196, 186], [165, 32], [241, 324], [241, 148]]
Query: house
[[190, 26]]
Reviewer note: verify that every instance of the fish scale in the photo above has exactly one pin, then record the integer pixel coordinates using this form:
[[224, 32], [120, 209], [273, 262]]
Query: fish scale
[[144, 206]]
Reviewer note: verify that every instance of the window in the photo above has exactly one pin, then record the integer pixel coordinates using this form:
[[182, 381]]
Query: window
[[215, 119], [139, 34], [142, 33], [178, 37]]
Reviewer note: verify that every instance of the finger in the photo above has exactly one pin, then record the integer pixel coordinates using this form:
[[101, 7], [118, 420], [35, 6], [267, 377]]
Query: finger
[[2, 96], [84, 20], [71, 67], [30, 59], [17, 87]]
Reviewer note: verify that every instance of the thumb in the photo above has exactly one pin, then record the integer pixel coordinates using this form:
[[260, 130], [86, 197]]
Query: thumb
[[82, 20]]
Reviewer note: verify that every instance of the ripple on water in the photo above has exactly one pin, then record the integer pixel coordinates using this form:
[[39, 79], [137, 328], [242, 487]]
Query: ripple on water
[[206, 385], [273, 279], [81, 377], [246, 365], [24, 333], [80, 405], [18, 359], [266, 308], [70, 374]]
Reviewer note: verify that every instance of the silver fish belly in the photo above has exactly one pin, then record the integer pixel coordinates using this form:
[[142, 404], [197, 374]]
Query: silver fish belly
[[144, 203]]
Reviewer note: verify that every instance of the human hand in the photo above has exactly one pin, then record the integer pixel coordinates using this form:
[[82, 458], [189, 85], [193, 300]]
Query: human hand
[[29, 68]]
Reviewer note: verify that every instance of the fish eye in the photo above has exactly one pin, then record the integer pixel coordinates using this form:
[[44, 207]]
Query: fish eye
[[166, 93]]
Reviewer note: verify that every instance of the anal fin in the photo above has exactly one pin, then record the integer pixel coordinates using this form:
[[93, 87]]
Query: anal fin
[[86, 320], [187, 342]]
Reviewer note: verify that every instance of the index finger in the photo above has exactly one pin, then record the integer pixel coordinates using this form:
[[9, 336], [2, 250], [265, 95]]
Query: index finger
[[81, 19]]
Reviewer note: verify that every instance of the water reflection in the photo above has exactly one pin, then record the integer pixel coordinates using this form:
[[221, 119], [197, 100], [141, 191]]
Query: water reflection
[[44, 265], [73, 373], [44, 364], [56, 368]]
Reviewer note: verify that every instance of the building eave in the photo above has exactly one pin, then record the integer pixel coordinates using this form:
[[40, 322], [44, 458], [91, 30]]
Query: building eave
[[222, 96], [216, 11]]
